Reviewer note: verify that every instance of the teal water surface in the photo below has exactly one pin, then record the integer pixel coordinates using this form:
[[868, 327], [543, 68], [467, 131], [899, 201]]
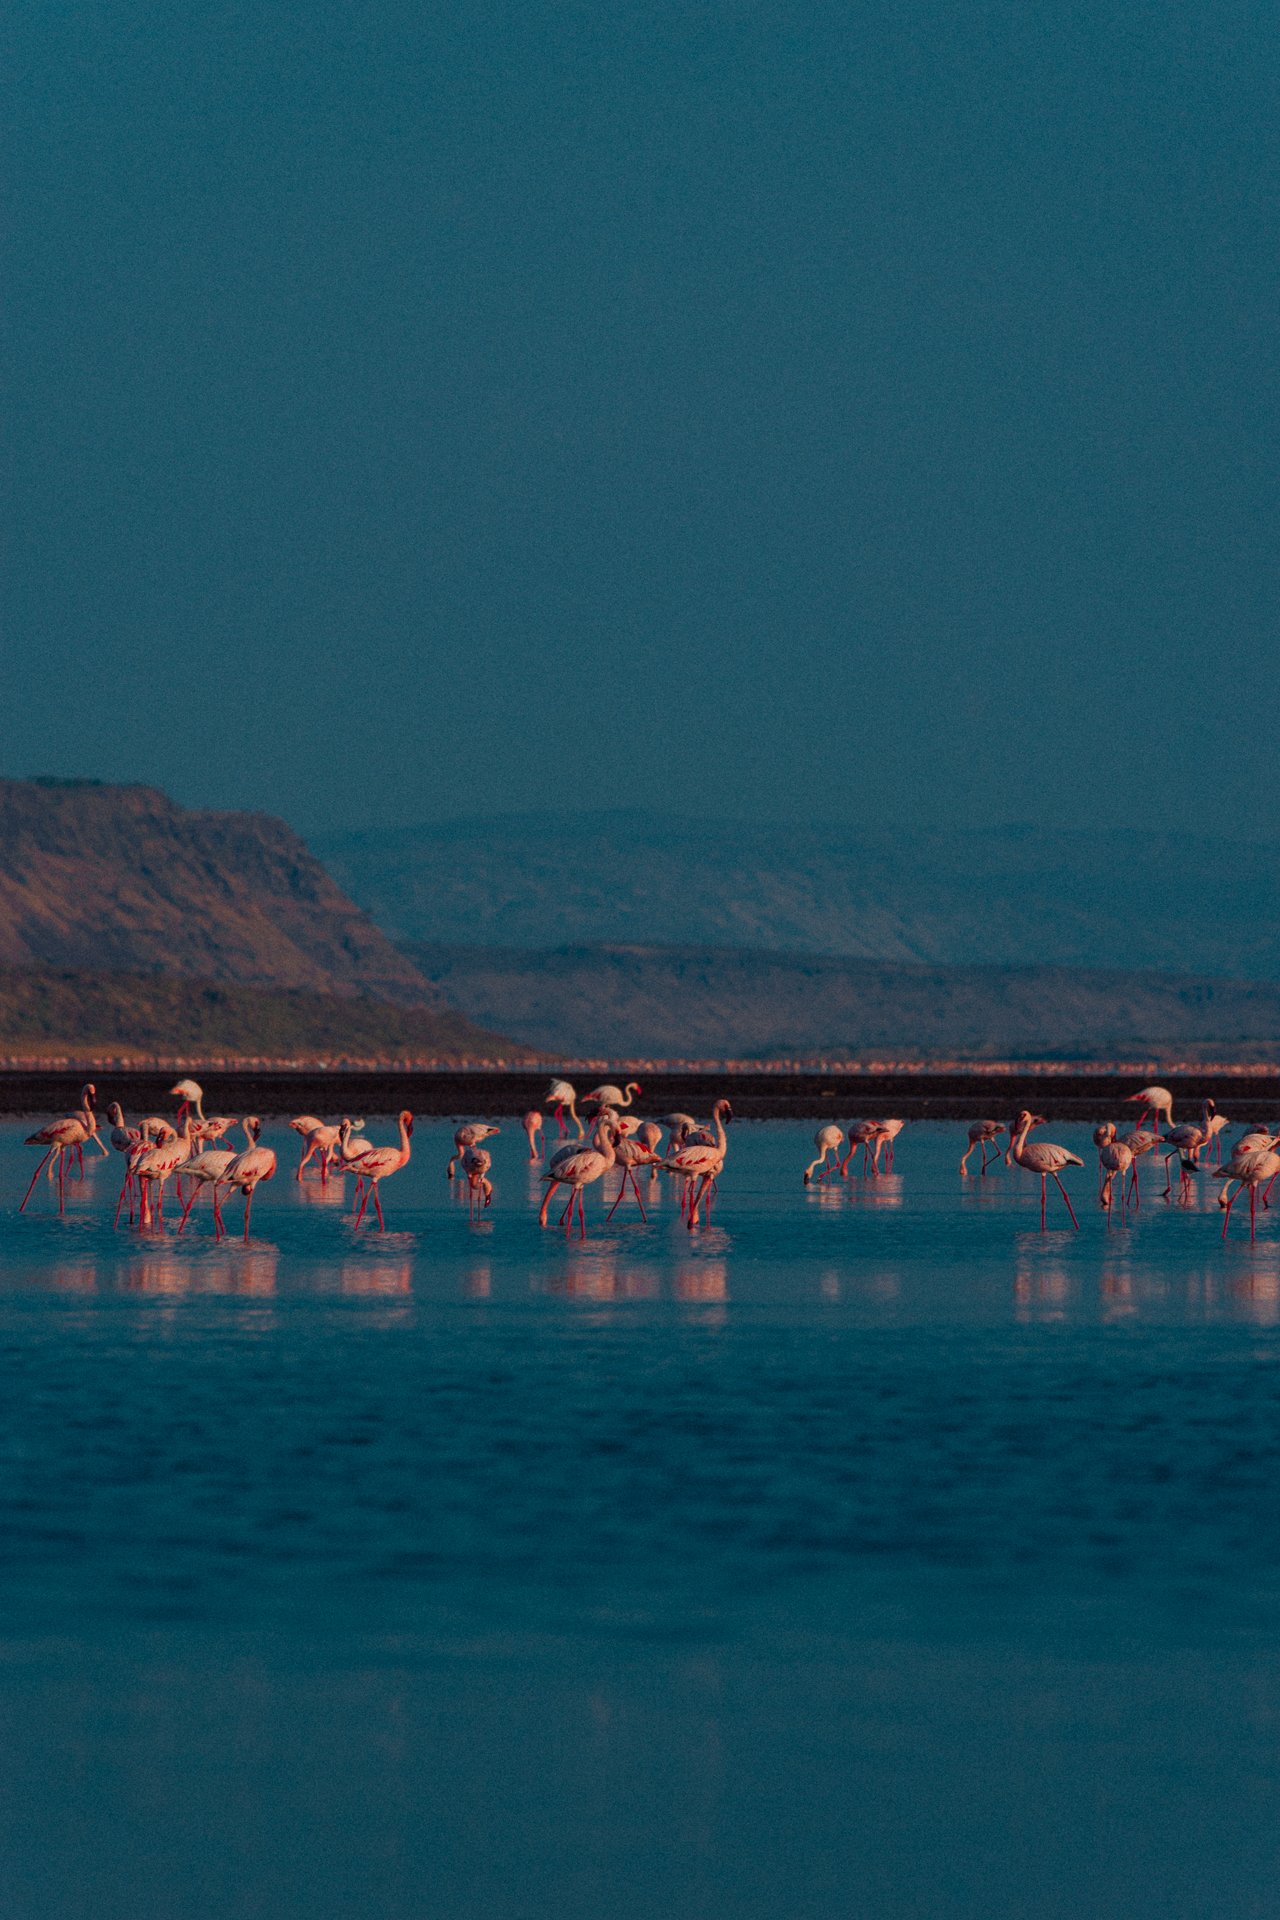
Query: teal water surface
[[866, 1553]]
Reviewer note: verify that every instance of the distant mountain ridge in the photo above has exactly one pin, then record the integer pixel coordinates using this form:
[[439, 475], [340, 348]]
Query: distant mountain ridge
[[1007, 896], [102, 877], [671, 1003]]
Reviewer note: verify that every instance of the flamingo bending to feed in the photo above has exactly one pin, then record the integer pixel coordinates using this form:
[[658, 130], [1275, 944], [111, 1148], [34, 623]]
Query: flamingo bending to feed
[[209, 1169], [1138, 1142], [981, 1134], [532, 1124], [1155, 1101], [1042, 1157], [378, 1164], [476, 1162], [576, 1168], [1257, 1140], [319, 1137], [885, 1134], [630, 1154], [128, 1141], [466, 1136], [700, 1164], [1114, 1158], [861, 1134], [827, 1140], [1187, 1143], [1250, 1169], [649, 1134], [562, 1099], [156, 1166], [247, 1171]]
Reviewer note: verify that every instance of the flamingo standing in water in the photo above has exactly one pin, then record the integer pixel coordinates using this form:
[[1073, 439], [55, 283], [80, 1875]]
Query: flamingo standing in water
[[861, 1134], [532, 1124], [1114, 1157], [209, 1169], [378, 1164], [154, 1168], [466, 1136], [318, 1137], [1042, 1157], [981, 1134], [576, 1168], [1138, 1142], [476, 1162], [700, 1163], [827, 1140], [884, 1136], [649, 1134], [1187, 1143], [611, 1096], [1251, 1169], [562, 1099], [61, 1137], [629, 1154], [247, 1171], [1155, 1101]]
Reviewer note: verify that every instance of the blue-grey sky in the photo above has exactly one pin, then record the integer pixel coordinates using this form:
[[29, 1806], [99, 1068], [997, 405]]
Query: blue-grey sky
[[774, 409]]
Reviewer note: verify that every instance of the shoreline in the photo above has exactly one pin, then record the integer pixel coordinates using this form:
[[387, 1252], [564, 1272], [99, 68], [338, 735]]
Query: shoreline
[[1071, 1092]]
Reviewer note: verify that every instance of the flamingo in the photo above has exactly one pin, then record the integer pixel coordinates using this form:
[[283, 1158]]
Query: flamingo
[[1042, 1157], [700, 1164], [378, 1164], [88, 1112], [156, 1166], [827, 1140], [60, 1137], [577, 1168], [611, 1096], [1114, 1157], [318, 1137], [476, 1162], [247, 1171], [209, 1169], [630, 1154], [861, 1134], [981, 1132], [1186, 1142], [1256, 1140], [1138, 1141], [561, 1096], [1155, 1101], [1251, 1169], [468, 1136], [885, 1134], [1218, 1123], [649, 1134], [532, 1124]]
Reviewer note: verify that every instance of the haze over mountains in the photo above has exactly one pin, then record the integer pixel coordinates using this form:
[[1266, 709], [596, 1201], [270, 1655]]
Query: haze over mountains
[[1174, 902]]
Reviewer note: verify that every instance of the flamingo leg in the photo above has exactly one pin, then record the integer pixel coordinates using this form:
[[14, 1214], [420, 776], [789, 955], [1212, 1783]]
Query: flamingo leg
[[62, 1179], [1266, 1191], [582, 1217], [364, 1201], [635, 1185], [1042, 1191], [1067, 1197], [546, 1202], [1253, 1212], [565, 1216], [35, 1176], [248, 1204], [219, 1225], [1226, 1216], [187, 1208], [377, 1201]]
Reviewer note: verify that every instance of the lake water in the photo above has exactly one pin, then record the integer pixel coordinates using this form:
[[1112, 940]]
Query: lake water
[[866, 1554]]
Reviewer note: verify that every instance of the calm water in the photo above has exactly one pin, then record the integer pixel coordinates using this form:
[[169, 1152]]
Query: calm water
[[867, 1554]]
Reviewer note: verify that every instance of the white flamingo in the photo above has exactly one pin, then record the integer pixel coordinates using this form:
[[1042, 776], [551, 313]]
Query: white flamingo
[[476, 1162], [246, 1171], [576, 1168], [156, 1166], [981, 1134], [466, 1136], [827, 1140], [1155, 1101], [1114, 1157], [700, 1164], [562, 1099], [209, 1169], [1251, 1169], [1042, 1157]]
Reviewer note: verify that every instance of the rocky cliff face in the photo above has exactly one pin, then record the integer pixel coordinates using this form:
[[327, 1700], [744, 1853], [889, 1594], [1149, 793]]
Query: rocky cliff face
[[120, 878]]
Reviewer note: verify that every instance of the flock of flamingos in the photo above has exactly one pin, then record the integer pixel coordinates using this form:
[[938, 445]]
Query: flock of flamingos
[[188, 1149]]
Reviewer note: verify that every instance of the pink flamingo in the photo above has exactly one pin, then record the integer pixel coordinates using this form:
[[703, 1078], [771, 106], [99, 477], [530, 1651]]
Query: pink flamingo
[[649, 1134], [318, 1137], [61, 1137], [630, 1154], [1256, 1140], [209, 1169], [1042, 1157], [981, 1133], [700, 1164], [1114, 1158], [1186, 1143], [156, 1166], [610, 1096], [247, 1171], [378, 1164], [861, 1134], [1138, 1142], [466, 1136], [562, 1099], [827, 1140], [1155, 1101], [1250, 1169], [577, 1168], [885, 1134], [128, 1141], [476, 1162], [532, 1124]]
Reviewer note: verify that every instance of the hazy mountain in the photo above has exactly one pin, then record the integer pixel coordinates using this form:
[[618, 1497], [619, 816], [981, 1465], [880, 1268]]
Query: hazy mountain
[[688, 1003], [122, 1016], [99, 877], [1007, 895]]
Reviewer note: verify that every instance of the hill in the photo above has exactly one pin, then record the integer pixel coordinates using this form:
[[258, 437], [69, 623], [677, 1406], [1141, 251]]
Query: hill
[[94, 877], [700, 1004], [123, 1017], [1021, 896]]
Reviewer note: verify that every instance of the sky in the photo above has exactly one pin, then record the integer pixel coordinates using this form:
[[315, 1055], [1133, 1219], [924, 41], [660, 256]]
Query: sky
[[810, 411]]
